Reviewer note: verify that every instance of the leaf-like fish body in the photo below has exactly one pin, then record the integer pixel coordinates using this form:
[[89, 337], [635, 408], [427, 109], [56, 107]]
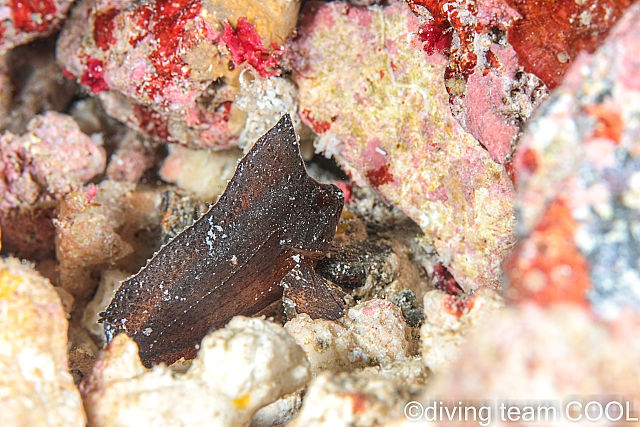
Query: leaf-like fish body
[[271, 217]]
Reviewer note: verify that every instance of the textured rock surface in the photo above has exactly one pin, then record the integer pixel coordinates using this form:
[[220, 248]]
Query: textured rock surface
[[390, 126], [336, 400], [48, 161], [504, 55], [24, 21], [170, 69], [100, 226], [33, 83], [37, 389], [578, 169], [375, 259], [239, 369], [449, 321], [134, 155], [202, 172], [544, 355], [354, 341]]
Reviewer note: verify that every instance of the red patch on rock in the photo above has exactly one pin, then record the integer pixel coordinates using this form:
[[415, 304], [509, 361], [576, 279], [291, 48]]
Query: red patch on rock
[[547, 266], [68, 74], [151, 122], [529, 160], [547, 35], [347, 190], [167, 21], [552, 33], [609, 122], [318, 126], [379, 176], [435, 39], [103, 26], [93, 76], [91, 192], [245, 45], [359, 402], [458, 306], [444, 281], [172, 19], [32, 16]]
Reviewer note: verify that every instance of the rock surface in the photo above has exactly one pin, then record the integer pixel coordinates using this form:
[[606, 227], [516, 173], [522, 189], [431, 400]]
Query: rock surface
[[248, 364], [578, 173], [171, 69], [24, 21], [386, 118], [37, 388], [354, 341]]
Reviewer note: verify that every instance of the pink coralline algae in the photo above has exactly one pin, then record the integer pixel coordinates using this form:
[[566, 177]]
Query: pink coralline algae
[[504, 55], [542, 355], [22, 21], [379, 104], [170, 68], [578, 173], [50, 160], [245, 45]]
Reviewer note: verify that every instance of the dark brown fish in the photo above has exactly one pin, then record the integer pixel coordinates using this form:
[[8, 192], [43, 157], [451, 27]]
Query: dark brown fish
[[272, 218]]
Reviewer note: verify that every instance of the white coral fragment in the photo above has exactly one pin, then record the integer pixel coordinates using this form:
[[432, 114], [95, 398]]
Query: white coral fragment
[[239, 369], [372, 333], [36, 388]]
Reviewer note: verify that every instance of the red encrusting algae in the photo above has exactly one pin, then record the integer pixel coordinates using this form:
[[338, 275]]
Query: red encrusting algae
[[32, 16], [435, 38], [444, 281], [379, 176], [93, 76], [457, 305], [548, 267], [103, 26], [245, 45], [318, 126]]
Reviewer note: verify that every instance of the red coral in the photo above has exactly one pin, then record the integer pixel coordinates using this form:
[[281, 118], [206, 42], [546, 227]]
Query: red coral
[[103, 26], [245, 45], [93, 76], [32, 16]]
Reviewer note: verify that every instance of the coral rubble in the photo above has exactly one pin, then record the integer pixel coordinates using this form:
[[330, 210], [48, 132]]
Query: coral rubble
[[239, 369], [488, 252]]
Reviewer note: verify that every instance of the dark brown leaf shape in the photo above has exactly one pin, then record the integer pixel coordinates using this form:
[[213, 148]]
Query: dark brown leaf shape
[[271, 218], [313, 294]]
